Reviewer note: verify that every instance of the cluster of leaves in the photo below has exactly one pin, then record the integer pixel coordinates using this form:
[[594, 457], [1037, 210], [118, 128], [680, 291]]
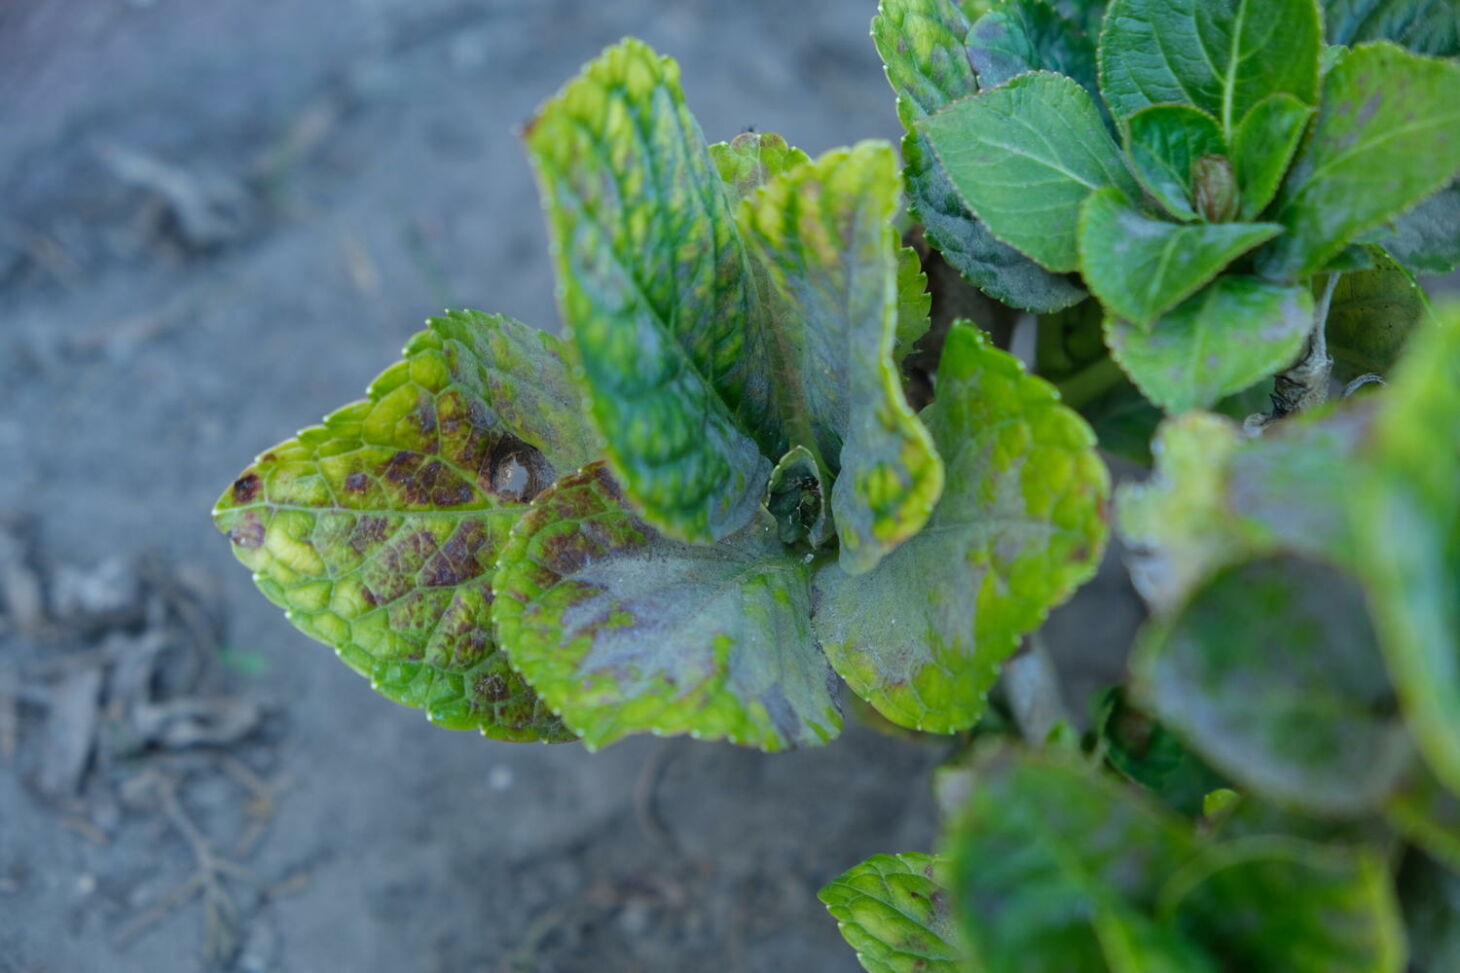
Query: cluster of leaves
[[627, 531], [712, 497], [1287, 741], [1275, 787]]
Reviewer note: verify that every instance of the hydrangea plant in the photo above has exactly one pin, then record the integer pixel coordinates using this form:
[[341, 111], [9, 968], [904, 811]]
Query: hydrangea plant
[[768, 457]]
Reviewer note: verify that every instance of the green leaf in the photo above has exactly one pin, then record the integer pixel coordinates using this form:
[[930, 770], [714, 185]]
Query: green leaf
[[1272, 672], [921, 43], [1218, 497], [895, 911], [1029, 35], [796, 497], [1424, 26], [623, 630], [377, 531], [1427, 238], [1141, 268], [1231, 335], [1409, 527], [1147, 753], [1263, 147], [1387, 135], [1055, 867], [1283, 904], [526, 376], [1371, 316], [1037, 137], [1164, 143], [823, 235], [653, 290], [1221, 57], [914, 304], [1019, 528], [753, 159]]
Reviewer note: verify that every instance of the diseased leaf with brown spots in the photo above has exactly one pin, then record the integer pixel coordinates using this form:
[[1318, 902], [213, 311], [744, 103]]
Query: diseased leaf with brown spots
[[377, 531], [624, 630]]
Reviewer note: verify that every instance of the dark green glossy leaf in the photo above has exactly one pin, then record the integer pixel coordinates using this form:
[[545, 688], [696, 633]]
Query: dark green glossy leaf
[[823, 234], [1164, 142], [1029, 35], [1427, 238], [896, 912], [1371, 316], [1152, 756], [1055, 867], [921, 43], [1290, 905], [1222, 57], [1021, 526], [1409, 526], [377, 531], [1263, 147], [1424, 26], [1037, 137], [1272, 672], [1387, 135], [1232, 334], [653, 289], [622, 630], [1140, 268]]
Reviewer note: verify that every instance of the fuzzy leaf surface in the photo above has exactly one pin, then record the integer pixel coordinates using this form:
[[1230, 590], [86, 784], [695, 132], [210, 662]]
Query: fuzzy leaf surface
[[1056, 866], [922, 44], [1232, 334], [1018, 36], [1038, 137], [1164, 142], [623, 630], [822, 234], [1387, 135], [1272, 672], [1263, 147], [896, 912], [1019, 528], [1277, 903], [1409, 527], [377, 531], [1222, 57], [653, 289], [1141, 267]]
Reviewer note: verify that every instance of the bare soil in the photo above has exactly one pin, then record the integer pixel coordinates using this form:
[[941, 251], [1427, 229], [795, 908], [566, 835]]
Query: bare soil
[[218, 221]]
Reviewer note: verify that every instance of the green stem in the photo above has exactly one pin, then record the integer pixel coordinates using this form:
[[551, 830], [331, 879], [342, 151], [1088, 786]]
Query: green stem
[[1084, 387]]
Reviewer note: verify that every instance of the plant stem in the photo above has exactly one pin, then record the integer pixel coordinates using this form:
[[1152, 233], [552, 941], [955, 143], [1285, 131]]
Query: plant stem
[[1085, 386], [1032, 687], [1305, 384]]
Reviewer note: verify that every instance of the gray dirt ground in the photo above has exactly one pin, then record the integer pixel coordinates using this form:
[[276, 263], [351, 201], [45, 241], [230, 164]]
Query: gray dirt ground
[[217, 222]]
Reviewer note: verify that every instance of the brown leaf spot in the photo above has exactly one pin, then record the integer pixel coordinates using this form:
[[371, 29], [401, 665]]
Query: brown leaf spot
[[247, 533], [245, 488], [492, 687], [369, 596], [357, 482]]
